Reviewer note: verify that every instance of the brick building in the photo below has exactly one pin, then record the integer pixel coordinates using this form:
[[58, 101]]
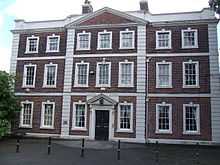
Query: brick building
[[109, 75]]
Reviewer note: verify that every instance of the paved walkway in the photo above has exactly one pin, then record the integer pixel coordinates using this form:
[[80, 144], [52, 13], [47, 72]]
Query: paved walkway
[[34, 152], [103, 145]]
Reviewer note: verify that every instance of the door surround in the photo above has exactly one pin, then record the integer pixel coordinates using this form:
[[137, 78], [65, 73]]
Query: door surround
[[92, 120]]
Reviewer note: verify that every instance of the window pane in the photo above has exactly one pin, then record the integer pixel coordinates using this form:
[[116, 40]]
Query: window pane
[[80, 115], [27, 113], [126, 73], [32, 44], [163, 39], [163, 74], [82, 74], [190, 74], [83, 41], [191, 119], [51, 74], [53, 43], [105, 40], [30, 71], [104, 74], [189, 38], [163, 118], [48, 115], [127, 39], [125, 116]]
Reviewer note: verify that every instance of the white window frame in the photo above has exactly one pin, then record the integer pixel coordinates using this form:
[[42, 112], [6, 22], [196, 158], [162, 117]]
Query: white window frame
[[159, 131], [197, 118], [170, 39], [28, 44], [131, 118], [45, 76], [133, 39], [48, 43], [78, 41], [99, 43], [21, 125], [157, 74], [42, 115], [132, 75], [197, 74], [74, 127], [97, 75], [24, 85], [196, 38], [76, 84]]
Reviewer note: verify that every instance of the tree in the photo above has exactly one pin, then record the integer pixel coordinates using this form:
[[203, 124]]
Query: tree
[[215, 5], [8, 102]]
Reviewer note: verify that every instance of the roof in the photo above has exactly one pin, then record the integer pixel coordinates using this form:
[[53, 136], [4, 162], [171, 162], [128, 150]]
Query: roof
[[136, 16]]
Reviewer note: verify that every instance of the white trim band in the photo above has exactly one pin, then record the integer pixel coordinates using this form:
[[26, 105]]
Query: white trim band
[[176, 54], [178, 95], [40, 58]]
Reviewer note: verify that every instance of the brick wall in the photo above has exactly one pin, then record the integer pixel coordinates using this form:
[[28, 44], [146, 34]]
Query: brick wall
[[42, 44], [37, 115], [115, 40], [114, 74], [39, 76], [177, 75], [176, 39], [177, 118]]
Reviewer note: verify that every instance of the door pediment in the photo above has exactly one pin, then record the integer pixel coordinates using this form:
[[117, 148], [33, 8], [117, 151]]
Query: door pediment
[[102, 100]]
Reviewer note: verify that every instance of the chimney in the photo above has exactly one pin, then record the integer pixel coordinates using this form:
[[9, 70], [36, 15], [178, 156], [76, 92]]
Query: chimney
[[87, 7], [144, 6]]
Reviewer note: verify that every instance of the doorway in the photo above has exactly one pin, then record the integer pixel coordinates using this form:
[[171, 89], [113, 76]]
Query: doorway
[[102, 125]]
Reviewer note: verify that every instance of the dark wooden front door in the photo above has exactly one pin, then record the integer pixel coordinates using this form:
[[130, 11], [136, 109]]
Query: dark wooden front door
[[102, 125]]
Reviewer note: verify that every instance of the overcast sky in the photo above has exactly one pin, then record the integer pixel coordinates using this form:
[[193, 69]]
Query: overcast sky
[[56, 9]]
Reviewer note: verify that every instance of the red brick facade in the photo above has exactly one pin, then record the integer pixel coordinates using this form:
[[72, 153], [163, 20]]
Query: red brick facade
[[42, 44], [177, 118], [40, 76], [177, 72], [37, 115], [115, 23], [114, 74], [115, 43], [176, 39]]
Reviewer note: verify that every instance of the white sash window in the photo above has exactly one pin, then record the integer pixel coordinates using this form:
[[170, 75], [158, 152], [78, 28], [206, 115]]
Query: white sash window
[[29, 76], [126, 74], [50, 75], [125, 117], [81, 74], [103, 76], [26, 114], [32, 44], [191, 74], [191, 118], [79, 116], [163, 118], [164, 74], [47, 115], [53, 43]]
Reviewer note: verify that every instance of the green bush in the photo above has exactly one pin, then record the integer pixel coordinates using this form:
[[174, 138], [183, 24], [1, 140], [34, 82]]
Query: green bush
[[8, 102], [4, 127]]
